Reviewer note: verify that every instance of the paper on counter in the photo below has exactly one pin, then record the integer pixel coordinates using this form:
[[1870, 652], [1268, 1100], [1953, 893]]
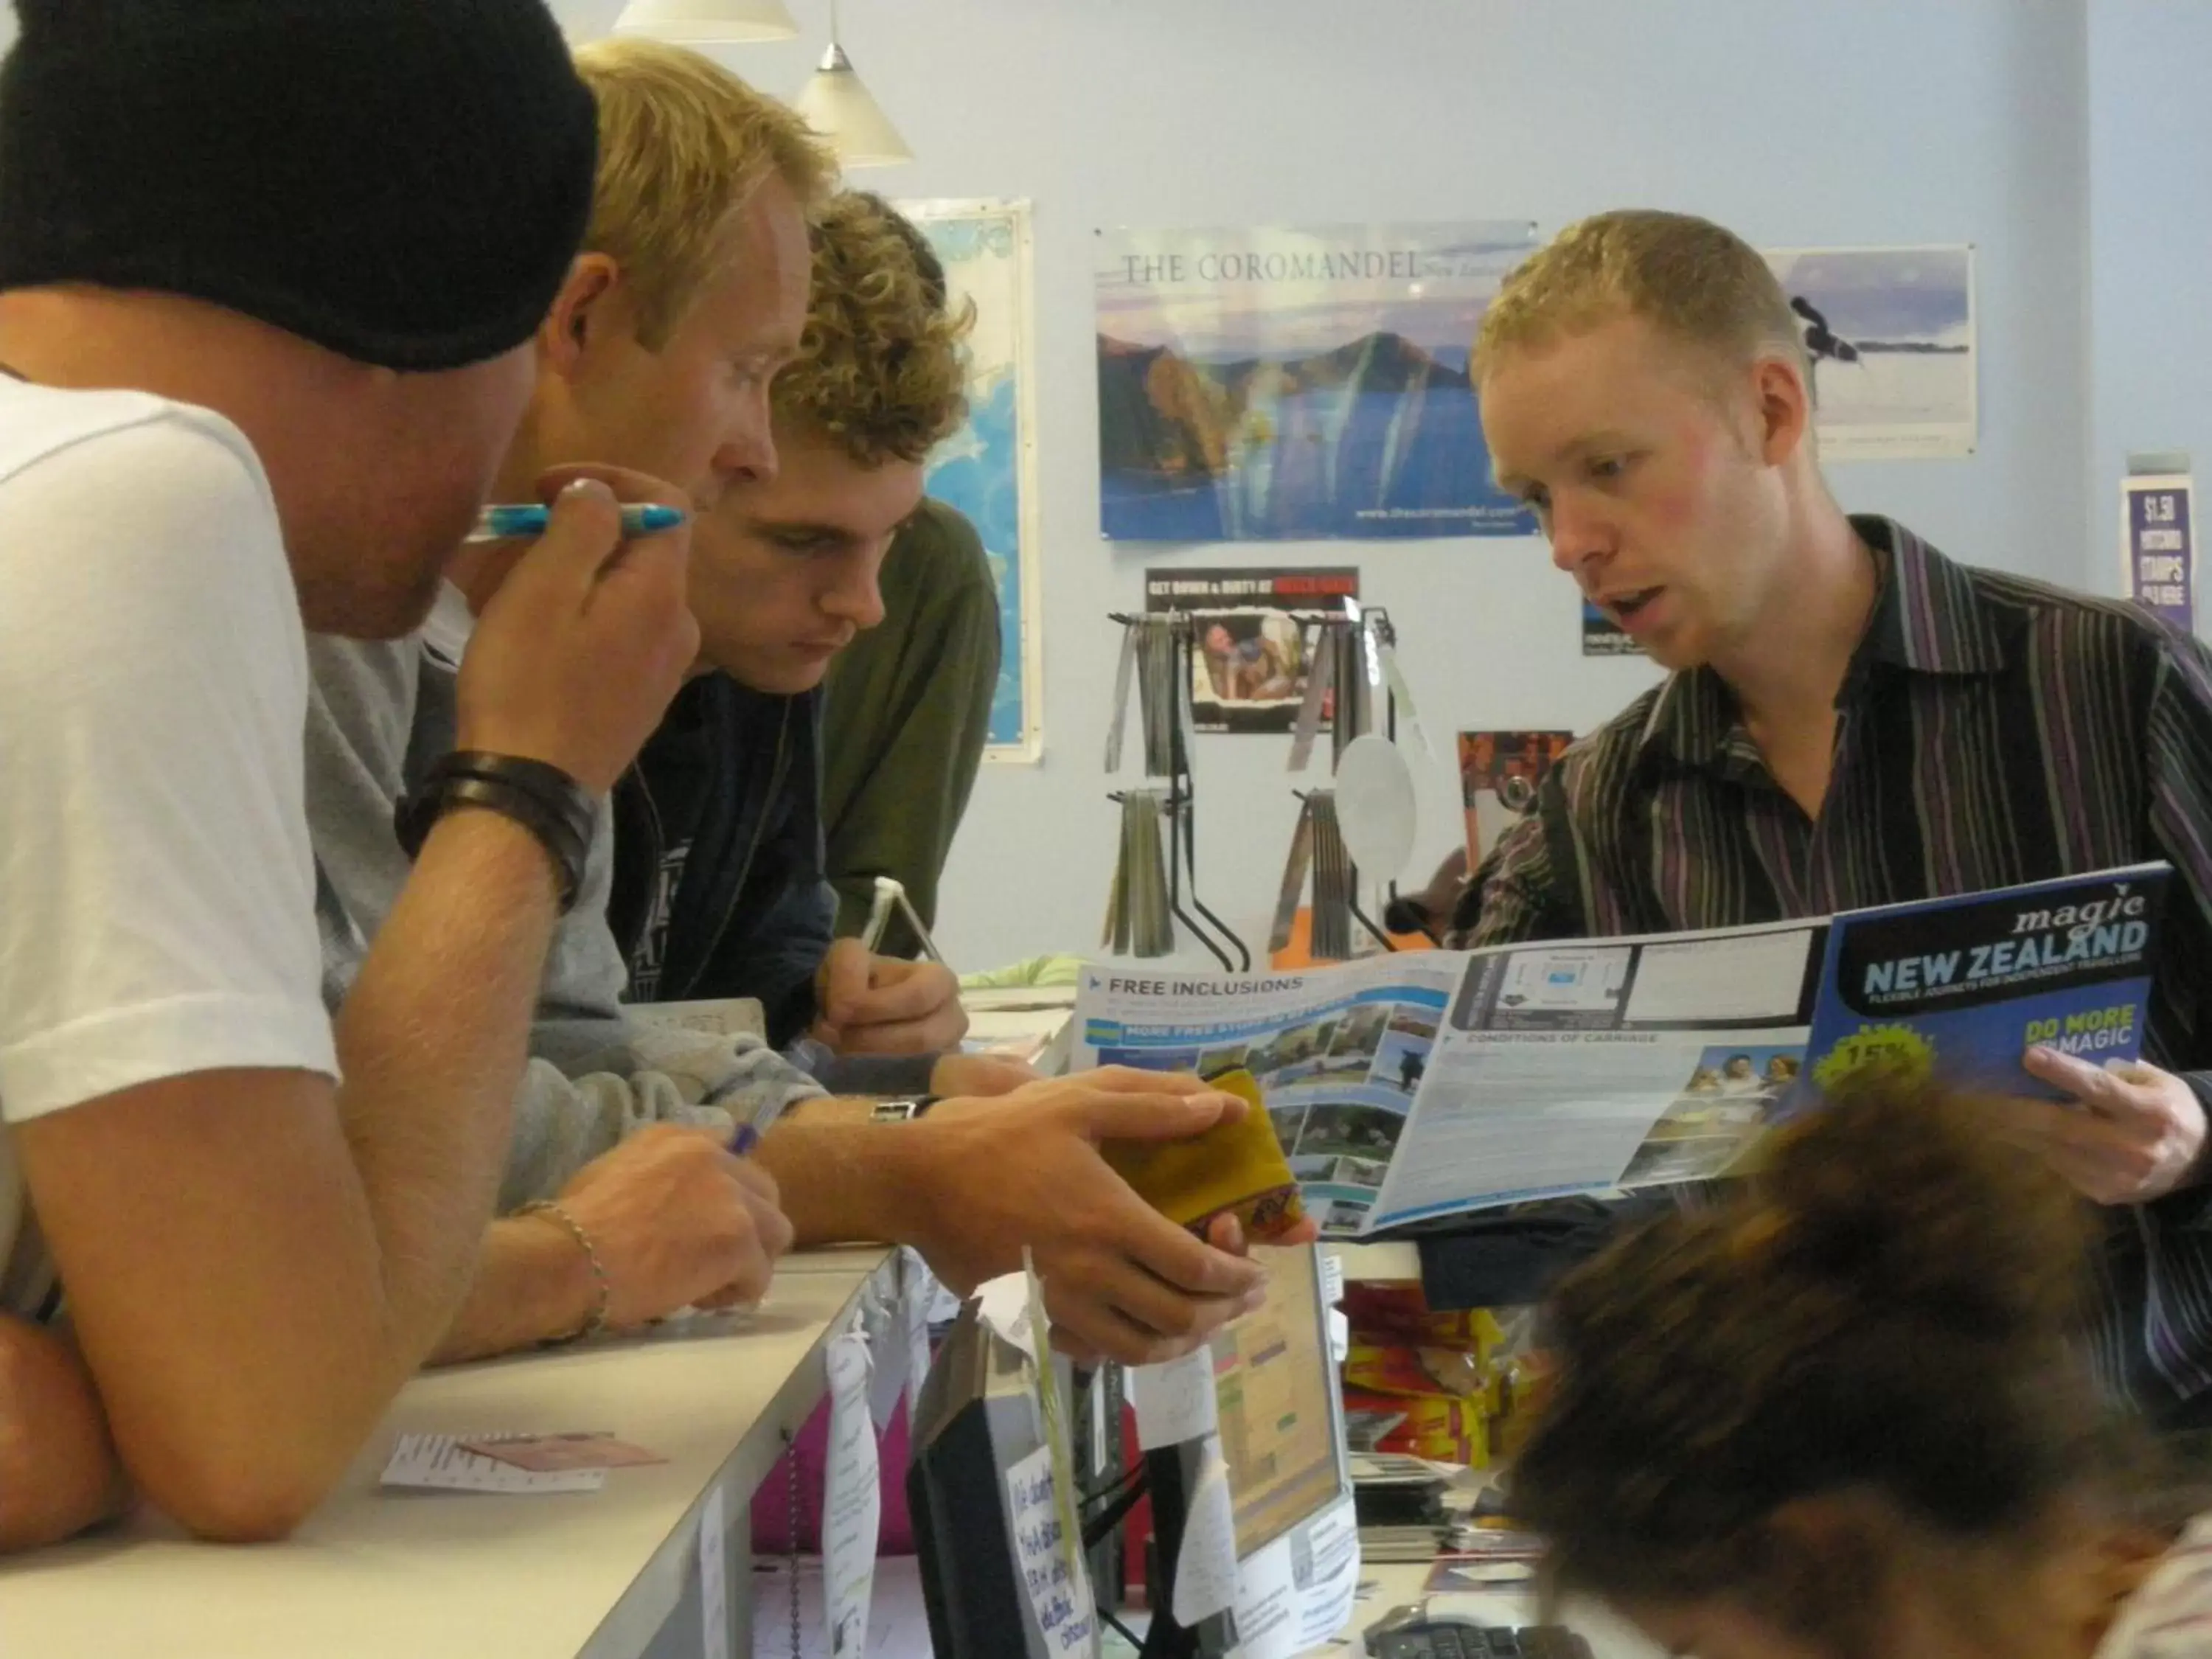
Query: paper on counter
[[714, 1576], [1298, 1593], [1174, 1402], [851, 1500], [882, 1318], [1003, 1305], [440, 1462], [1326, 1575], [1266, 1614], [723, 1016], [1457, 1574], [1206, 1566], [595, 1449], [1051, 1566], [898, 1617], [919, 1290]]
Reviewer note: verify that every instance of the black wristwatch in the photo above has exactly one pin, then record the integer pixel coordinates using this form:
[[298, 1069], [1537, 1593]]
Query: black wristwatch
[[901, 1111], [541, 798]]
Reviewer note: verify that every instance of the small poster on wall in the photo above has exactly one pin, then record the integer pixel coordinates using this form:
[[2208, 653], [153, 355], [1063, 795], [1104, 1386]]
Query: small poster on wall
[[2158, 526], [1298, 384], [1891, 333], [1604, 637], [1251, 659], [1499, 773]]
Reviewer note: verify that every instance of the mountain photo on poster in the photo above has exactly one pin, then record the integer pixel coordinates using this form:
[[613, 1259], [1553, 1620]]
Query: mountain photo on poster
[[1308, 384]]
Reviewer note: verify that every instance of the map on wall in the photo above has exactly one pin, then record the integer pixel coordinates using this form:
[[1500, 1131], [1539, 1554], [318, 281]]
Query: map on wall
[[986, 470], [1277, 384]]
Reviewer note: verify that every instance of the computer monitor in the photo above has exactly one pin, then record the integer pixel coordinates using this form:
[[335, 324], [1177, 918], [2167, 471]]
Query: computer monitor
[[1282, 1436], [1281, 1409], [1281, 1413], [975, 1419]]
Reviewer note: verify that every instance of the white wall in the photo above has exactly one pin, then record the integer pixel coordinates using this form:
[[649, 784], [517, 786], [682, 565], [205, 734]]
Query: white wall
[[1821, 121], [1816, 121], [2150, 172]]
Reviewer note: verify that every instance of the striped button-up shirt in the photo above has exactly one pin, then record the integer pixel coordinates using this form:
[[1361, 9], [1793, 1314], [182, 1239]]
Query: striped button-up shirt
[[1990, 730]]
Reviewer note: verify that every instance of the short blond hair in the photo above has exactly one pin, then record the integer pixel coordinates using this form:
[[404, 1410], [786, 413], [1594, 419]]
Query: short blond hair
[[683, 144], [881, 367], [1686, 277]]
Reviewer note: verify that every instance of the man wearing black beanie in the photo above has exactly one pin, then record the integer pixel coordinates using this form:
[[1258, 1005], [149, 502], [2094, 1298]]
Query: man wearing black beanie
[[269, 270]]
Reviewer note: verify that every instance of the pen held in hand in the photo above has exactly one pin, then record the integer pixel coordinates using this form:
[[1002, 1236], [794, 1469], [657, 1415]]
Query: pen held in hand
[[520, 522], [744, 1141]]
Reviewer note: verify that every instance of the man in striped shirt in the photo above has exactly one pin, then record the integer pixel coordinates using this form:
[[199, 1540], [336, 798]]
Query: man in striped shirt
[[1851, 719]]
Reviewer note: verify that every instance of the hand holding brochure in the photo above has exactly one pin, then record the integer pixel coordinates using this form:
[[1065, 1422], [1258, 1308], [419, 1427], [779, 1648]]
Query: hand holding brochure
[[1410, 1086], [1968, 985]]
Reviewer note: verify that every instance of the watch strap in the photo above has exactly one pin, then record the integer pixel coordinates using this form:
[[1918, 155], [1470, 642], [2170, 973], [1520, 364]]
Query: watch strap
[[901, 1111]]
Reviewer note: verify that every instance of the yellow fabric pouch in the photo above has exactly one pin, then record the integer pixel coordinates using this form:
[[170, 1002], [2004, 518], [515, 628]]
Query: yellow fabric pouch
[[1234, 1167]]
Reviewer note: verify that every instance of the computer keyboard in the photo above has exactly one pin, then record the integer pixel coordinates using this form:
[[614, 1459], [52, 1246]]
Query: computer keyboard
[[1443, 1640]]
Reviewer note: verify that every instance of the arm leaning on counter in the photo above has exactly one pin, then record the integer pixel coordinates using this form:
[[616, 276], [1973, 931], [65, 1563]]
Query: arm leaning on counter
[[625, 1124], [674, 1220]]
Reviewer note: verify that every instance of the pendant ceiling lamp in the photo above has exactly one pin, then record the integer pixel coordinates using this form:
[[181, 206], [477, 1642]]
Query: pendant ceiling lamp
[[837, 106], [707, 22]]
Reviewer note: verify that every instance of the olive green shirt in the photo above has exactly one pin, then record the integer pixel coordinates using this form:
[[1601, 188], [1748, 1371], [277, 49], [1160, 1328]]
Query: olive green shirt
[[908, 712]]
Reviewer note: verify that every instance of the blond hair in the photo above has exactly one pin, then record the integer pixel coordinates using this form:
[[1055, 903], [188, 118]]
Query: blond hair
[[1686, 277], [880, 367], [683, 144]]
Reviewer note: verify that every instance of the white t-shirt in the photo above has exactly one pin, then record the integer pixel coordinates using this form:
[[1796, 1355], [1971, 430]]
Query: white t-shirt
[[157, 883], [2171, 1616]]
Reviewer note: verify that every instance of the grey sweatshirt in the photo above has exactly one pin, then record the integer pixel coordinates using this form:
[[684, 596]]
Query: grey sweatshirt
[[378, 714]]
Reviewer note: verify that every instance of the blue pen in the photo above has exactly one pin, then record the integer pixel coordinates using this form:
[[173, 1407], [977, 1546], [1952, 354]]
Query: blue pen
[[499, 524], [744, 1141]]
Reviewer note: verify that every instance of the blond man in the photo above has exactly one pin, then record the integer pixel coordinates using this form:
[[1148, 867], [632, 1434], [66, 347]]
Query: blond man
[[1849, 717], [664, 344], [720, 889]]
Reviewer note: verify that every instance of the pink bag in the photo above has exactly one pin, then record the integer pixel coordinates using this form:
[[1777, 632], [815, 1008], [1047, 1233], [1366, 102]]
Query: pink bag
[[772, 1505]]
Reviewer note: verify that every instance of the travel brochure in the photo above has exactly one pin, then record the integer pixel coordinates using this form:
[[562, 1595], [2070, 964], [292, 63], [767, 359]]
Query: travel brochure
[[1408, 1086]]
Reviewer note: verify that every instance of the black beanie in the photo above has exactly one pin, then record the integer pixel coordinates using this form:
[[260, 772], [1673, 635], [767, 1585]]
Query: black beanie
[[403, 181]]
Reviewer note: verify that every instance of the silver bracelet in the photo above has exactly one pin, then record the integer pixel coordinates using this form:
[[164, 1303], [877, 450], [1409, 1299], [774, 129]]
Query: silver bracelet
[[597, 1324]]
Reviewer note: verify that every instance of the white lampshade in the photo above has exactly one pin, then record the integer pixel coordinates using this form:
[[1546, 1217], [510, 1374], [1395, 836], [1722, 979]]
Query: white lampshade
[[707, 22], [836, 105]]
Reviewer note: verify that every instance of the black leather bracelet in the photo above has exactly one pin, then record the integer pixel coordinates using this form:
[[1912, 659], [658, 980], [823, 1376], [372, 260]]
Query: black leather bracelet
[[554, 789], [543, 800]]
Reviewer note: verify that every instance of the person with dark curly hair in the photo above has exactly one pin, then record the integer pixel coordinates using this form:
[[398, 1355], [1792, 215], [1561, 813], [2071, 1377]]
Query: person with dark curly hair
[[1847, 1414], [907, 704], [721, 888]]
